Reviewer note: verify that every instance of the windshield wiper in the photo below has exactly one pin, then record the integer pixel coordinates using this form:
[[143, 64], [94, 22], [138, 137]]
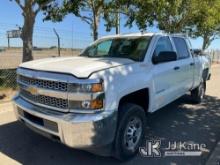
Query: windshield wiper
[[107, 56], [124, 57]]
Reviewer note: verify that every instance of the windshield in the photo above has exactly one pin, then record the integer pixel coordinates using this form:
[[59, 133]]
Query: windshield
[[133, 48]]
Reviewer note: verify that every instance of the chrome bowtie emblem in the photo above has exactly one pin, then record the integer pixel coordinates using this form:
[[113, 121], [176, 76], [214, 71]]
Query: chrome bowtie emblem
[[32, 90]]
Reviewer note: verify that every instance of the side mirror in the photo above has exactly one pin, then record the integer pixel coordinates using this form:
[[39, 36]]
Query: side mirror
[[197, 51], [165, 56]]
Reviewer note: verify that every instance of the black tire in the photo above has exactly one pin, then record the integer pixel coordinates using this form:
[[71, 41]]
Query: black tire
[[198, 93], [128, 115]]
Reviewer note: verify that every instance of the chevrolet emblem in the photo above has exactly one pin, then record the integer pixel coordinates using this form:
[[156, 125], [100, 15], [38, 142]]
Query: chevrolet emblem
[[32, 90]]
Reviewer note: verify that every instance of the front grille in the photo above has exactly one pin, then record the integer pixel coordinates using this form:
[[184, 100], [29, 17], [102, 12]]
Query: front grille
[[46, 84], [45, 100]]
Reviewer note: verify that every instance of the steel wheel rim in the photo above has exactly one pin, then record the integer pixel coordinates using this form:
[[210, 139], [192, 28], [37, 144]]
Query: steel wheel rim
[[133, 133]]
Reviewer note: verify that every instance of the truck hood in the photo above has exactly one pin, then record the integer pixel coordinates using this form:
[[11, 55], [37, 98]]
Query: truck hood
[[80, 67]]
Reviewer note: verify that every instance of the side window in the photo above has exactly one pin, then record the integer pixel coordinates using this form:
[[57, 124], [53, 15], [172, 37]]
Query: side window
[[100, 49], [181, 47], [163, 44], [103, 48]]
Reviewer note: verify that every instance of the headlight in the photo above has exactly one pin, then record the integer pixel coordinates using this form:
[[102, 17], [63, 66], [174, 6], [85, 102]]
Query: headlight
[[91, 87], [86, 96], [86, 88]]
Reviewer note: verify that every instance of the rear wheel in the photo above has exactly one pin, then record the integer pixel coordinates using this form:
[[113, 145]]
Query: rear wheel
[[198, 93], [130, 131]]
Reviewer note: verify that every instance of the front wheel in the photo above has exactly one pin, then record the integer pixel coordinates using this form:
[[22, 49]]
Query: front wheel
[[198, 93], [130, 132]]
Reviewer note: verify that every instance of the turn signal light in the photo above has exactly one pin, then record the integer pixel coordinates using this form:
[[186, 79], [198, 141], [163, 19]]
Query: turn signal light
[[97, 87], [96, 104]]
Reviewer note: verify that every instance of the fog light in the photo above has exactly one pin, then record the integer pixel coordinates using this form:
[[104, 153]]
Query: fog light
[[86, 104]]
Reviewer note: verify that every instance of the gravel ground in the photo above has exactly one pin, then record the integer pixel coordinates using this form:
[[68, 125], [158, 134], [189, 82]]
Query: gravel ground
[[179, 121]]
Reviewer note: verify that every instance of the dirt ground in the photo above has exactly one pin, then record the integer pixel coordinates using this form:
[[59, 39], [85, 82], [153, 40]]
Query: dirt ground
[[6, 95], [179, 121], [11, 58]]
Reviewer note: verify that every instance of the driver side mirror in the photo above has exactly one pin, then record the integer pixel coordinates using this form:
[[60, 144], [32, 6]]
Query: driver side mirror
[[165, 56], [197, 51]]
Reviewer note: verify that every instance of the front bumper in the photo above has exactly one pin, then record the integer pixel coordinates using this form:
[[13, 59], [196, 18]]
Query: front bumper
[[81, 131]]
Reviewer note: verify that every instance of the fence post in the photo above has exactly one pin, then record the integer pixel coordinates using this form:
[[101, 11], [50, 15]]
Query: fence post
[[8, 40], [58, 41]]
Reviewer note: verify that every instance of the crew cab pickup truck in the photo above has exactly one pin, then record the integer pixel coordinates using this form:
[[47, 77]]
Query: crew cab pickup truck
[[98, 101]]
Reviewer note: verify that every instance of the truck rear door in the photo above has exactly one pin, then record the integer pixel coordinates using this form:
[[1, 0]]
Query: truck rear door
[[186, 64]]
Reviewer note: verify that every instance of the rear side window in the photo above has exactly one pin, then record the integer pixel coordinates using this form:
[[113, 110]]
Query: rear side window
[[181, 47], [163, 45]]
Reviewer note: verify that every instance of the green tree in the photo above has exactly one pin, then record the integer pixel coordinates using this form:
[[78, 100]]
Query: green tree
[[30, 9], [90, 11], [206, 22], [170, 15], [196, 18], [134, 11], [174, 16]]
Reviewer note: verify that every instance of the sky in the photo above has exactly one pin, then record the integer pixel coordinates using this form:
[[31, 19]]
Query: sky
[[73, 32]]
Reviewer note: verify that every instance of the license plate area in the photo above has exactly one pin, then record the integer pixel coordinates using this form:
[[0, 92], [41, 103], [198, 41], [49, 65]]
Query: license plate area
[[39, 121]]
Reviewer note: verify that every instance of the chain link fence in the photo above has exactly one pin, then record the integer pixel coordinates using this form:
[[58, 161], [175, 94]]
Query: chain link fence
[[45, 45], [214, 55]]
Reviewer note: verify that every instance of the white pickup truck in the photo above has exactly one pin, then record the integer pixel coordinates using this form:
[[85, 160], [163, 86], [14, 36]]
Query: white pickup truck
[[98, 101]]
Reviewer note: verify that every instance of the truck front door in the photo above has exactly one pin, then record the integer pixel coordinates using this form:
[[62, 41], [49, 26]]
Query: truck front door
[[165, 76]]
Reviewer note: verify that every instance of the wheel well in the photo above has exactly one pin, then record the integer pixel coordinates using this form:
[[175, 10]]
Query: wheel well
[[140, 97]]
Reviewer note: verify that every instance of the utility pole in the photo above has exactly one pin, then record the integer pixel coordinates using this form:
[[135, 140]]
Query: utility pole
[[58, 41], [117, 28], [72, 38]]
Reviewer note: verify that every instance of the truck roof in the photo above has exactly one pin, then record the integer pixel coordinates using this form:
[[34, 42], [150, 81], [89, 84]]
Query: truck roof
[[139, 34], [128, 35]]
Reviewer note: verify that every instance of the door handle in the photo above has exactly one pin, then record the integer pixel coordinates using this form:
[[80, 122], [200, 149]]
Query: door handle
[[192, 64], [176, 68]]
